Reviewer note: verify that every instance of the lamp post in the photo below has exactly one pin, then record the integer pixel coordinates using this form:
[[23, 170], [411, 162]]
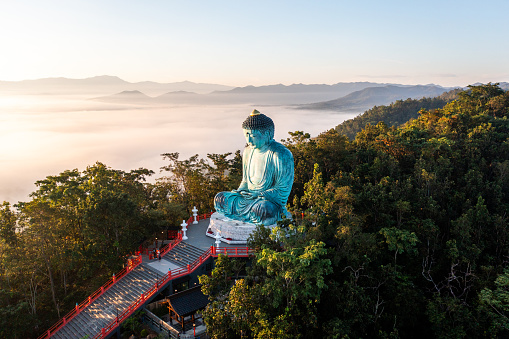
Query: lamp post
[[217, 239], [194, 330], [195, 213], [184, 230]]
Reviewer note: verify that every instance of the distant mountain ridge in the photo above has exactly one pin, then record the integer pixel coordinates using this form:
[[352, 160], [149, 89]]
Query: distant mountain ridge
[[340, 97], [338, 88], [381, 95], [297, 96], [103, 85]]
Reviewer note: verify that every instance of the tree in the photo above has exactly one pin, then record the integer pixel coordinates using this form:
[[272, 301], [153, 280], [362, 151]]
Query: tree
[[496, 303], [278, 297]]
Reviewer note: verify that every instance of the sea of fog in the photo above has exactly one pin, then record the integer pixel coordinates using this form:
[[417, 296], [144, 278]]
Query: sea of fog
[[46, 135]]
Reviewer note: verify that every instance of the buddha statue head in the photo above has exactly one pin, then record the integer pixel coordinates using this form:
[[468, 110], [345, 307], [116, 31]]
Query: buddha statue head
[[258, 130]]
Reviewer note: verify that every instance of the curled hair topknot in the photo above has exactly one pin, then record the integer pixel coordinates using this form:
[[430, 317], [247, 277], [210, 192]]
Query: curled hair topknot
[[258, 121]]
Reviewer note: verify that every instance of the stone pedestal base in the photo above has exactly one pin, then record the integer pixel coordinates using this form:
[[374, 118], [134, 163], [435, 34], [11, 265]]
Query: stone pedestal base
[[231, 231]]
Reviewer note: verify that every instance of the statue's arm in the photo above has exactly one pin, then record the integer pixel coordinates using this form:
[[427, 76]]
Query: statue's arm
[[242, 187], [283, 178]]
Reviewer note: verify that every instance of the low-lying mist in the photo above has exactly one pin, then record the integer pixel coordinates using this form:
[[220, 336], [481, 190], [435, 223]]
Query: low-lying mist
[[45, 135]]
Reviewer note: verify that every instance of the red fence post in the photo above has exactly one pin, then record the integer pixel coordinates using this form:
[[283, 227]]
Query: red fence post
[[114, 279], [188, 268], [236, 251]]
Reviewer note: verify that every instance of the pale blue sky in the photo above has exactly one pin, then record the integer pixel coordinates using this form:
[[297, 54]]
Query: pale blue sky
[[242, 43]]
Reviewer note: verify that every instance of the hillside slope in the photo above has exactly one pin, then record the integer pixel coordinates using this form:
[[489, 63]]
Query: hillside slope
[[394, 114], [372, 96]]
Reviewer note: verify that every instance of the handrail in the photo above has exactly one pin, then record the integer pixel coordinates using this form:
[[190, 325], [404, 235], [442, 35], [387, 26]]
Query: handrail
[[132, 263], [173, 274]]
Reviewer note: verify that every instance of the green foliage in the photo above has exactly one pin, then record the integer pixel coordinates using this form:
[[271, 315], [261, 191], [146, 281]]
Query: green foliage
[[328, 150], [394, 114], [14, 314], [405, 231], [435, 190], [278, 297], [77, 230], [195, 181], [7, 224], [133, 324], [412, 219], [399, 241], [496, 302]]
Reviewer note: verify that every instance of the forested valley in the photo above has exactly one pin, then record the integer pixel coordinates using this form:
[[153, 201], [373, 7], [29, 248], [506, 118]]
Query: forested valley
[[398, 232]]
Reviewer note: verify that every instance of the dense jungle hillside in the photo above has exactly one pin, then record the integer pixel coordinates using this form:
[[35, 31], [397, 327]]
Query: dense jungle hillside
[[405, 234], [401, 232]]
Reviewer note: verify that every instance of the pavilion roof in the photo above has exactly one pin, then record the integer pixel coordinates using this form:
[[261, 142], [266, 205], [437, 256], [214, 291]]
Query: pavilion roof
[[188, 302]]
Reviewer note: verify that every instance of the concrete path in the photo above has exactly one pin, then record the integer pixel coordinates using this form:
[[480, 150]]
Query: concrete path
[[197, 234], [162, 265]]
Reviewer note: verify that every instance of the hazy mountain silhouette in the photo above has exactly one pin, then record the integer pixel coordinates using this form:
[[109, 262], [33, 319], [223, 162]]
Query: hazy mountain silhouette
[[340, 89], [351, 96], [126, 97], [304, 96], [103, 85], [373, 96]]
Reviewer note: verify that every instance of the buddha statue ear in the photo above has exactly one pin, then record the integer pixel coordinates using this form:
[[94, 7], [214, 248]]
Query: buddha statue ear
[[269, 133]]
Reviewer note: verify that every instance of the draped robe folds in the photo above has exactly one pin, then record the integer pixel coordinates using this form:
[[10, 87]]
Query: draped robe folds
[[270, 175]]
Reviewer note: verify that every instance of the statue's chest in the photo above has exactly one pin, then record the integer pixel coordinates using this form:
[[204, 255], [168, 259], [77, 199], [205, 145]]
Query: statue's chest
[[257, 166]]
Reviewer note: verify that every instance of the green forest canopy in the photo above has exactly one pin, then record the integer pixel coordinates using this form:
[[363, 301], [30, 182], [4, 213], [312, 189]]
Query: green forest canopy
[[395, 114], [405, 233]]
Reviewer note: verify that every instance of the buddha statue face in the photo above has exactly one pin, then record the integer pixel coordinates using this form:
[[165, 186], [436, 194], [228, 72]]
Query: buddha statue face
[[257, 138]]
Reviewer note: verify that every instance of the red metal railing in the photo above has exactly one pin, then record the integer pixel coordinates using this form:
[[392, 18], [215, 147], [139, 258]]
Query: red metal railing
[[173, 274], [132, 263]]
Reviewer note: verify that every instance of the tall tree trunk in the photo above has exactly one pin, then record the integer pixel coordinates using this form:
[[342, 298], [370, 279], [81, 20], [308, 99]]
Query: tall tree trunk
[[52, 282], [33, 293]]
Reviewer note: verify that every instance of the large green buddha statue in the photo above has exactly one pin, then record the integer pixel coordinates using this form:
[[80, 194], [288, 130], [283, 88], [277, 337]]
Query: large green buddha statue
[[267, 177]]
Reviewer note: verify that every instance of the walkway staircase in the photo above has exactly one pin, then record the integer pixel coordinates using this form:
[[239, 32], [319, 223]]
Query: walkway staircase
[[119, 297], [183, 254], [138, 283], [114, 301]]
